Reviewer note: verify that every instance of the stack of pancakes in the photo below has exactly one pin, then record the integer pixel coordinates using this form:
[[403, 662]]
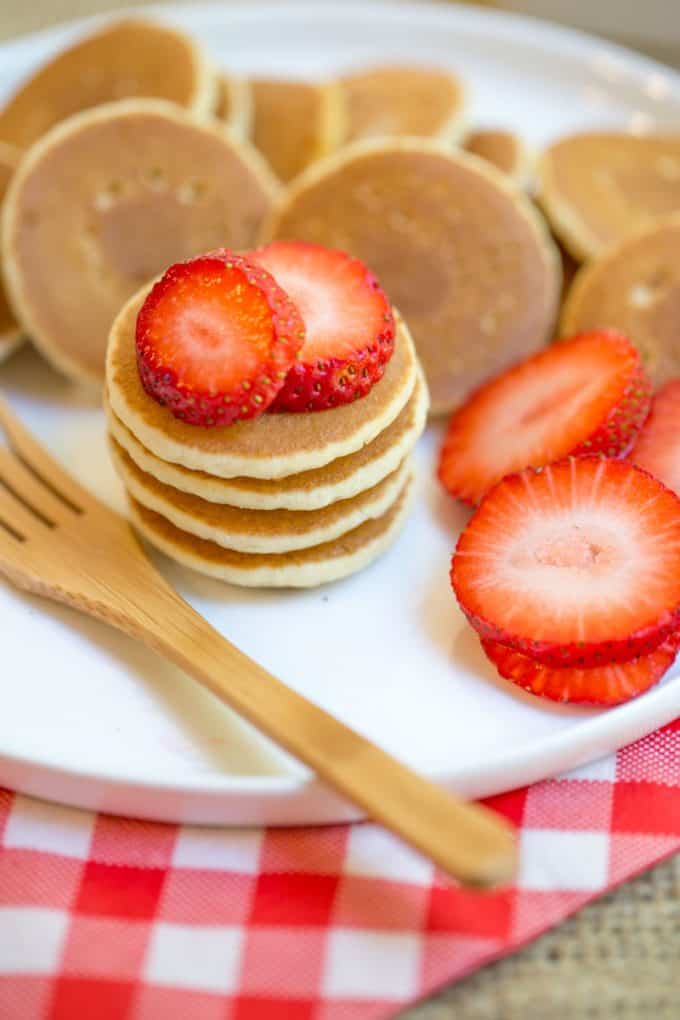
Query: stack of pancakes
[[279, 500]]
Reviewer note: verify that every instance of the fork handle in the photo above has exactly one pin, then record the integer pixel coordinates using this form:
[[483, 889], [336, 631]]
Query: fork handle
[[470, 842]]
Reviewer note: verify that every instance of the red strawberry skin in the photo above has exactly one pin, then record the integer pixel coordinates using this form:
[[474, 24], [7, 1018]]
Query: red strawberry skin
[[609, 684], [575, 564], [588, 394], [657, 449], [216, 338], [348, 321]]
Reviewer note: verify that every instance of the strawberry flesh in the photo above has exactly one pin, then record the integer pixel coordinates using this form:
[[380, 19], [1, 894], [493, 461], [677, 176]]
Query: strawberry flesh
[[589, 394], [657, 449], [348, 321], [574, 564], [609, 684], [216, 337]]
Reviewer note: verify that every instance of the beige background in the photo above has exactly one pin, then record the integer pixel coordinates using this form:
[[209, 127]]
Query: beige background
[[618, 959]]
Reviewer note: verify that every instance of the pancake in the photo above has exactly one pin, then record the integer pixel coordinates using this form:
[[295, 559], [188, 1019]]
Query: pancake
[[570, 268], [255, 531], [127, 58], [295, 122], [235, 104], [270, 446], [106, 200], [635, 287], [596, 188], [569, 265], [310, 490], [403, 100], [10, 334], [503, 149], [463, 254], [304, 568]]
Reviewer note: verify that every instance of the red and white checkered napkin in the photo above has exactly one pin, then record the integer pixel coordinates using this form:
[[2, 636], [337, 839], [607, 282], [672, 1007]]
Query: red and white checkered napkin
[[109, 919]]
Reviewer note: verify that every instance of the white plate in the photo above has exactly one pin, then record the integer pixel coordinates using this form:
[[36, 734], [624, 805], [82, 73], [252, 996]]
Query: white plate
[[92, 719]]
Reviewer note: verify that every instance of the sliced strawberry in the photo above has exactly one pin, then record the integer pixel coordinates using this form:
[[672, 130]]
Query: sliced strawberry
[[609, 684], [216, 338], [589, 394], [577, 563], [348, 321], [657, 449]]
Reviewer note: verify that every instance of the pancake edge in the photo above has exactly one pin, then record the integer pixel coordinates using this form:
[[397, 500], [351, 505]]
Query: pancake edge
[[523, 172], [589, 270], [14, 284], [240, 120], [205, 91], [248, 543], [334, 118], [581, 243], [219, 490], [451, 130], [269, 467], [206, 87], [306, 576], [10, 341]]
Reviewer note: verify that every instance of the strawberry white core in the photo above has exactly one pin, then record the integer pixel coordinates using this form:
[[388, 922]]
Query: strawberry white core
[[587, 550]]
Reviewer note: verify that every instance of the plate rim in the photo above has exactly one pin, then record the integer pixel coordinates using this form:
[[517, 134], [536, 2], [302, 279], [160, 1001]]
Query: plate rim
[[522, 765], [512, 22]]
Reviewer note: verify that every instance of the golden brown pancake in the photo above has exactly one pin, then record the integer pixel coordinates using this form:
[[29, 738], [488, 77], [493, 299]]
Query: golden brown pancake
[[568, 263], [255, 531], [569, 269], [9, 160], [310, 490], [124, 59], [303, 568], [295, 122], [10, 334], [271, 446], [596, 188], [635, 287], [403, 100], [235, 104], [108, 199], [462, 253], [503, 149]]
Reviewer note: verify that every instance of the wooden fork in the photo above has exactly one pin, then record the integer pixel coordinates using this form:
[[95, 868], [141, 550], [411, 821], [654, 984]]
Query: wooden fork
[[57, 540]]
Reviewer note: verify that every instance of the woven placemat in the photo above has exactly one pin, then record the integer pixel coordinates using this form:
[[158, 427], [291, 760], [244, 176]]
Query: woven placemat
[[615, 960]]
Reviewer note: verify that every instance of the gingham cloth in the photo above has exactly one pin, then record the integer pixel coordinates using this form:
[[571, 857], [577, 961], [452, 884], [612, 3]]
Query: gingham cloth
[[110, 919]]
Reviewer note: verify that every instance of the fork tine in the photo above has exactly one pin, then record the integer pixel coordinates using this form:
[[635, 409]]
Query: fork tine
[[26, 486], [31, 451], [14, 514]]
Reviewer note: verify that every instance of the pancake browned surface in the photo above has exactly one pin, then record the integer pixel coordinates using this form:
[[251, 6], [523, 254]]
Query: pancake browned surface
[[503, 149], [10, 334], [235, 104], [635, 287], [301, 569], [462, 253], [255, 531], [295, 122], [106, 200], [596, 188], [124, 59], [310, 490], [403, 100], [570, 268], [270, 446]]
